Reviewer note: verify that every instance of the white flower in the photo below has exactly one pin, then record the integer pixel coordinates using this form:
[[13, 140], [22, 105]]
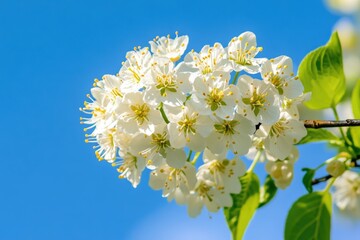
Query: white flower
[[136, 115], [213, 96], [169, 48], [135, 70], [101, 106], [279, 73], [291, 105], [231, 135], [206, 193], [189, 128], [176, 183], [347, 193], [165, 85], [282, 171], [112, 86], [223, 172], [241, 52], [280, 136], [257, 100], [131, 168], [210, 61], [156, 147], [108, 144]]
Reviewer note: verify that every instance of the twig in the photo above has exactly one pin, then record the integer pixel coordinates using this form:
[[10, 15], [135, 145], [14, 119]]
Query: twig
[[319, 180], [331, 123], [327, 177]]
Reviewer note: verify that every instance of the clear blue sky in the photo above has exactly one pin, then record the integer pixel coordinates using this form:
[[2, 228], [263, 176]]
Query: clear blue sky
[[51, 185]]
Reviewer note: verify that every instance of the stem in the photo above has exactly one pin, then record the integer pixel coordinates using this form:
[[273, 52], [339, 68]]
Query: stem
[[189, 156], [331, 123], [163, 114], [196, 156], [234, 81], [319, 180], [256, 159], [337, 119], [329, 184]]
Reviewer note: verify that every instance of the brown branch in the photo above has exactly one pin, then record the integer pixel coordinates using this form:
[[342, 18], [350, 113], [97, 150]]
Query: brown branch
[[331, 123]]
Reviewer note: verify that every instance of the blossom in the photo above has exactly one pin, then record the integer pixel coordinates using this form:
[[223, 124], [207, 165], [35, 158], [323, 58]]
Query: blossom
[[165, 85], [169, 48], [135, 69], [224, 172], [108, 144], [176, 183], [241, 52], [347, 193], [280, 136], [279, 73], [156, 147], [282, 171], [136, 115], [231, 135], [189, 128], [131, 168], [257, 100], [213, 96], [210, 61], [156, 111], [291, 105]]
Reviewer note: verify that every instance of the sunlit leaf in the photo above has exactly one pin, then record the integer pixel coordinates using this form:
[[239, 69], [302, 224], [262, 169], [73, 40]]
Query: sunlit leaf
[[267, 191], [310, 217], [244, 206], [317, 135], [321, 72], [307, 179]]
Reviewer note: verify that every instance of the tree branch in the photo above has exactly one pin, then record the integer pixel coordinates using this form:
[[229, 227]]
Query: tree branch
[[319, 180], [354, 162], [331, 123]]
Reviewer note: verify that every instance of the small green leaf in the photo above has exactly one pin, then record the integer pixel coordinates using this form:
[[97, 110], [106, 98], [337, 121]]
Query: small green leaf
[[322, 73], [310, 217], [355, 102], [317, 135], [307, 179], [244, 205], [267, 191]]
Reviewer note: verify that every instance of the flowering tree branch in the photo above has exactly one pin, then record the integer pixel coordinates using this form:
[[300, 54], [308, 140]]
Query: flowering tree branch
[[331, 123], [354, 163]]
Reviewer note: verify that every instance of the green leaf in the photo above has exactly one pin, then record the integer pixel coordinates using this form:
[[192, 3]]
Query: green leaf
[[307, 179], [355, 102], [267, 191], [317, 135], [310, 217], [244, 205], [322, 73]]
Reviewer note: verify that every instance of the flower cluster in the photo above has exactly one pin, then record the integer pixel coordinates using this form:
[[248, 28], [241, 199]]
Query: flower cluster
[[160, 114]]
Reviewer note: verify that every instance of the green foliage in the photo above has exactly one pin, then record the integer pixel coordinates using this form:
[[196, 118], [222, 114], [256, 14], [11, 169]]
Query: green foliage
[[317, 135], [310, 217], [355, 102], [321, 72], [307, 179], [267, 191], [244, 205]]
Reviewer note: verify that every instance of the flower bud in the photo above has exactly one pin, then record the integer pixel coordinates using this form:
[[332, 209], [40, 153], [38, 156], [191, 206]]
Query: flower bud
[[282, 172], [335, 168]]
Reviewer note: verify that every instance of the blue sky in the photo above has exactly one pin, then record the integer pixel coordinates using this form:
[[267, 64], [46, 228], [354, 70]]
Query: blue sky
[[52, 186]]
